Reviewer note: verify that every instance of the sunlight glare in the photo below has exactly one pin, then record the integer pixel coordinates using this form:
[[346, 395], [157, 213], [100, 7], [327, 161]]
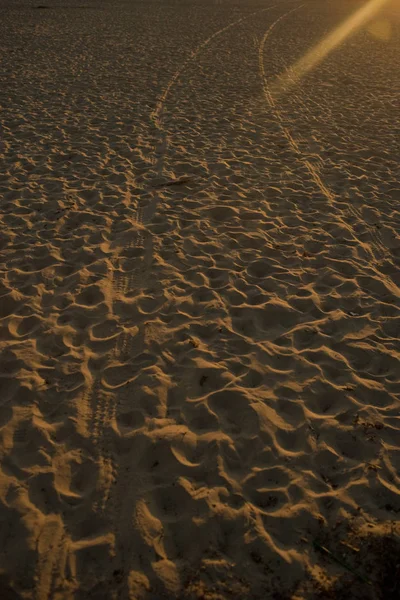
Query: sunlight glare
[[310, 60], [381, 29]]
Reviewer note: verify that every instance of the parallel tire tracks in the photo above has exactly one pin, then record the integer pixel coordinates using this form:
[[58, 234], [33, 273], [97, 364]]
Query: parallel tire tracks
[[159, 111], [99, 402], [103, 403]]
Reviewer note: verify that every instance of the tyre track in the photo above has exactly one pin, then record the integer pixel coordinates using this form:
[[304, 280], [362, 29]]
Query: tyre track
[[98, 404], [158, 113], [104, 417], [294, 145], [115, 496], [121, 497], [52, 548], [351, 209], [275, 109], [103, 401]]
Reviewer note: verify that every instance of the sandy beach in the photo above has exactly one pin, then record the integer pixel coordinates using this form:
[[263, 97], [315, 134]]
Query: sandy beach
[[200, 299]]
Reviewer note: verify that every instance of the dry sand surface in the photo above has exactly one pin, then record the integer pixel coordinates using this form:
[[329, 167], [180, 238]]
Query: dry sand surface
[[199, 309]]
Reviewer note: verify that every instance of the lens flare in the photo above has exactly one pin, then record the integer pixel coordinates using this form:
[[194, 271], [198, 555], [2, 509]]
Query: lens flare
[[317, 54], [381, 29]]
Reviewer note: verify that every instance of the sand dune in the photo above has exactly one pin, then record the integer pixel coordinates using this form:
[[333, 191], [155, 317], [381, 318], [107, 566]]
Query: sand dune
[[199, 306]]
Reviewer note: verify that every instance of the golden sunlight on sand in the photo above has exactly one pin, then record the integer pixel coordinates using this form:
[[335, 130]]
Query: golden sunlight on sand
[[199, 300], [331, 41]]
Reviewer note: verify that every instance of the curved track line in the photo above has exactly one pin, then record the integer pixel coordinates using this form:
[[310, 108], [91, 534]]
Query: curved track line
[[50, 547], [352, 210], [100, 402], [270, 99], [103, 403], [157, 114], [327, 193]]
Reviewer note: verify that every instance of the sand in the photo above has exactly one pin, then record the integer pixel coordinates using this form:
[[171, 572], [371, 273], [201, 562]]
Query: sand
[[199, 309]]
